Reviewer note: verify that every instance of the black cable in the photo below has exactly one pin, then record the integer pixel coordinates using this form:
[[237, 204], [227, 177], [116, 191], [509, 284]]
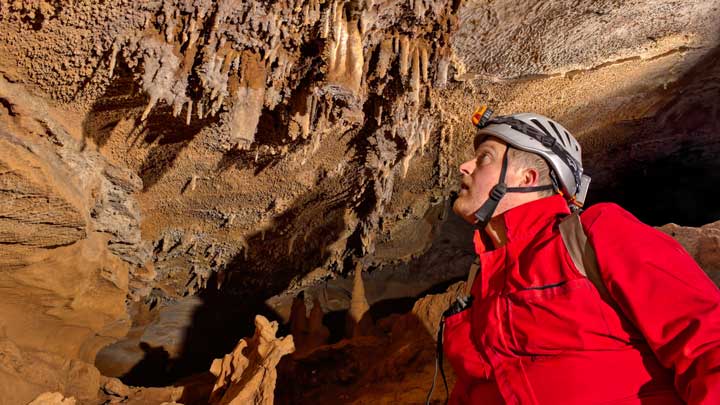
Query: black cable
[[438, 364]]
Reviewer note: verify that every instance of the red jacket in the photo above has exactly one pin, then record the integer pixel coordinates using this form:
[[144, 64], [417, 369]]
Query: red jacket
[[538, 332]]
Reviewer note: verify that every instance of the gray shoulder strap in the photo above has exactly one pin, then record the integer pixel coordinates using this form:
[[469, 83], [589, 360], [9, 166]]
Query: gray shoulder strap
[[582, 253]]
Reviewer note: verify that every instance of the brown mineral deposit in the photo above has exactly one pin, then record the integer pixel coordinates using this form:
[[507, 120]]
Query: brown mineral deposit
[[359, 321], [248, 374]]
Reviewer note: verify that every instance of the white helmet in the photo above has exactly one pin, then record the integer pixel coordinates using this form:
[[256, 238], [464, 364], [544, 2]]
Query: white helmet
[[540, 135]]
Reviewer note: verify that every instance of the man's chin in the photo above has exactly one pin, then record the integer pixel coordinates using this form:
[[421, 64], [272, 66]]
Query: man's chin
[[462, 212]]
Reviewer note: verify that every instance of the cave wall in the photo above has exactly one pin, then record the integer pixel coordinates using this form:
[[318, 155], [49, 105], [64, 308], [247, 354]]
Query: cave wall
[[234, 151], [70, 231]]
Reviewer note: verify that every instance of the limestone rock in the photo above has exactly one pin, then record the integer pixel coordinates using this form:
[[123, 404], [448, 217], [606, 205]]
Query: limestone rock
[[52, 398], [429, 309], [308, 331], [359, 322], [494, 26], [117, 392], [703, 244], [115, 387], [248, 374], [28, 373], [83, 191], [264, 140], [33, 214], [242, 84], [61, 207], [157, 344]]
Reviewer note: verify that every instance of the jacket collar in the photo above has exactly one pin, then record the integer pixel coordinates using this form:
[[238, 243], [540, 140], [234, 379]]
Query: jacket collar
[[526, 220]]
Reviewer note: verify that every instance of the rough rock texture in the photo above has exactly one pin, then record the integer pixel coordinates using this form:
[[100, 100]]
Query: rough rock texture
[[26, 373], [702, 243], [396, 365], [184, 392], [67, 268], [248, 374], [256, 88], [187, 162], [308, 331], [52, 398], [510, 39]]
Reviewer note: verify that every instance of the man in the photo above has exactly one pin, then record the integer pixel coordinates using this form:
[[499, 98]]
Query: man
[[538, 331]]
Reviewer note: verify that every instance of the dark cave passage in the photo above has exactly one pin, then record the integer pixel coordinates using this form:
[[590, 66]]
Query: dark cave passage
[[680, 187], [667, 168]]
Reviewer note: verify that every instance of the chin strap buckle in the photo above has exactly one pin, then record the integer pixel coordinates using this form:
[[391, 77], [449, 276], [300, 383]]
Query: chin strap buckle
[[498, 191], [485, 212]]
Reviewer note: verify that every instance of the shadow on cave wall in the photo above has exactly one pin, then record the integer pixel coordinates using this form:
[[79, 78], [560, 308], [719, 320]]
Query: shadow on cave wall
[[165, 135], [229, 307], [226, 314], [312, 224], [669, 170], [269, 264]]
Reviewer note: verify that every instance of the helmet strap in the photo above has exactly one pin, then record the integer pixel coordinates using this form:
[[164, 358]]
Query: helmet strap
[[485, 213]]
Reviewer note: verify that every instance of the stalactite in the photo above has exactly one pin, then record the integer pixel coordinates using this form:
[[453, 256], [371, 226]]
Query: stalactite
[[404, 55], [315, 144], [441, 74], [415, 76], [149, 107], [326, 23], [419, 7], [245, 246], [248, 100], [311, 65], [291, 244], [345, 51], [113, 58], [200, 109], [385, 57], [424, 61]]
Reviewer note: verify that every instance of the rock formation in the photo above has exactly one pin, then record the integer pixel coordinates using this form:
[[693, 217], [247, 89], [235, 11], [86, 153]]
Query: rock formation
[[307, 331], [114, 392], [359, 322], [52, 398], [702, 243], [248, 374], [60, 248]]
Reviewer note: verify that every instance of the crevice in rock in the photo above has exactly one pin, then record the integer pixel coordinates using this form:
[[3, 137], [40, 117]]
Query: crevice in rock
[[576, 72]]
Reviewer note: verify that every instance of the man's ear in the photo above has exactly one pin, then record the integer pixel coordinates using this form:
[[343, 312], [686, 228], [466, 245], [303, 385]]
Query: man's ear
[[529, 177]]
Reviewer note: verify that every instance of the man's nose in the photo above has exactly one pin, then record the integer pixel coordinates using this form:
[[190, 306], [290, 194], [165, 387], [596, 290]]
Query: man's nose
[[468, 167]]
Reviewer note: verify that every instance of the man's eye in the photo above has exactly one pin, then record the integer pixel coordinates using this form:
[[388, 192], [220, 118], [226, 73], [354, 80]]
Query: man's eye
[[484, 157]]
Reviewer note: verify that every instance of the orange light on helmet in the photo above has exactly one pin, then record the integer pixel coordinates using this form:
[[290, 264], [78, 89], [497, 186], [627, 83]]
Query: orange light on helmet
[[481, 116]]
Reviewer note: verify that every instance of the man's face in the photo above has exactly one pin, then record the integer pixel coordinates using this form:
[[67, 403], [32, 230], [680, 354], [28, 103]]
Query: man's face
[[479, 175]]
